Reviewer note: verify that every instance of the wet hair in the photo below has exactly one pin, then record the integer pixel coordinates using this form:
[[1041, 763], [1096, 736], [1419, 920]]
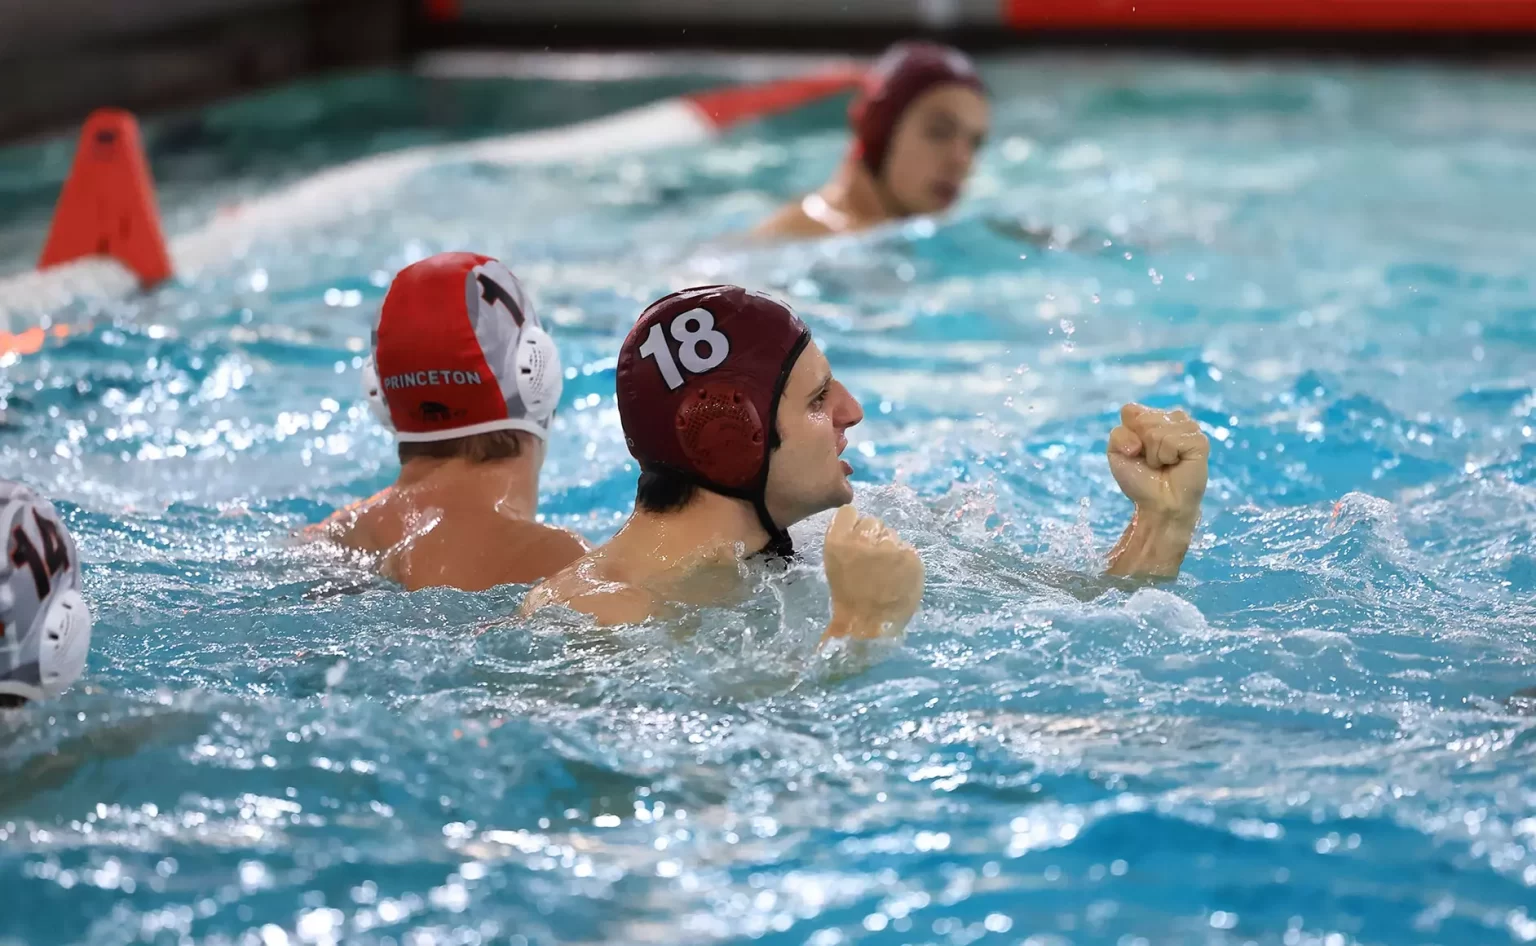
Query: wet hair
[[477, 448], [662, 491]]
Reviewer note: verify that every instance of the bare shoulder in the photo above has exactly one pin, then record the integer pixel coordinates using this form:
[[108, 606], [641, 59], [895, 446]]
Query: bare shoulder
[[478, 552], [554, 544], [581, 588], [349, 526], [515, 552], [790, 222]]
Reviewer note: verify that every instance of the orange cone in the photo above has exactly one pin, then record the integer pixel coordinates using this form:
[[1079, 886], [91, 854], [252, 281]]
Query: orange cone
[[107, 206]]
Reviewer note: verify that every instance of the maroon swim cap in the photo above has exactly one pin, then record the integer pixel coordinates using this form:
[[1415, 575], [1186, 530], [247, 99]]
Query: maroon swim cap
[[699, 382], [906, 71]]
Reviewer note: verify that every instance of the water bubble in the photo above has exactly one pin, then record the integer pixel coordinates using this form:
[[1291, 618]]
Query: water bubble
[[336, 673]]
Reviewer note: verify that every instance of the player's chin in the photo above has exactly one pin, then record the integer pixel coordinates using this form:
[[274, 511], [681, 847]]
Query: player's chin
[[842, 494]]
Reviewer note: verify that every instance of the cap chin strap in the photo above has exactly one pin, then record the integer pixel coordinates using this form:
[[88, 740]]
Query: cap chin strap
[[779, 545], [779, 542]]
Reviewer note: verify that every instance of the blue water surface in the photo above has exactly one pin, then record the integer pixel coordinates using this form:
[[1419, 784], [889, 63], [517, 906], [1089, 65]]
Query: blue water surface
[[1313, 737]]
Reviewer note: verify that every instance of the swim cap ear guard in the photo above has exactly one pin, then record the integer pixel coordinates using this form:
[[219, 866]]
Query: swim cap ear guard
[[373, 391], [540, 378], [45, 624], [722, 435], [699, 382]]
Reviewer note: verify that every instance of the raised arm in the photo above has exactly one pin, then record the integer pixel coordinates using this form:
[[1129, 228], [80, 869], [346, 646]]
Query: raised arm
[[1161, 460]]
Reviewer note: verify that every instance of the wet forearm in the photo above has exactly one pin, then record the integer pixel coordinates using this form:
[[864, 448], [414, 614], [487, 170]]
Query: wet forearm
[[1153, 546]]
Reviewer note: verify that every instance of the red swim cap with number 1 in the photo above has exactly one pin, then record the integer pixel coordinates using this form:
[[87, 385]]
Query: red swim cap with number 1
[[460, 351], [699, 381]]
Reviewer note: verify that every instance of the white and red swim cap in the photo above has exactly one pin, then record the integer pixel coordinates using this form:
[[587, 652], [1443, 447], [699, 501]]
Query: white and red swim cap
[[459, 351], [45, 625]]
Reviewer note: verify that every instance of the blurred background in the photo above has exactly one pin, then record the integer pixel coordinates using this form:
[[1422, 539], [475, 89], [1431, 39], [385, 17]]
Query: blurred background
[[1321, 735], [60, 58]]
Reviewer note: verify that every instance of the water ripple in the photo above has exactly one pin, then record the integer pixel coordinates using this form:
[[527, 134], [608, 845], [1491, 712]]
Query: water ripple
[[1316, 736]]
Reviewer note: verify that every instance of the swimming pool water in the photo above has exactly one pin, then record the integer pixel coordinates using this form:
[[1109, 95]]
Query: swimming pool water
[[1312, 737]]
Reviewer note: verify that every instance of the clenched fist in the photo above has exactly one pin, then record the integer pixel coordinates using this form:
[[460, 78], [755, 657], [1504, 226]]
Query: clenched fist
[[875, 578], [1161, 461]]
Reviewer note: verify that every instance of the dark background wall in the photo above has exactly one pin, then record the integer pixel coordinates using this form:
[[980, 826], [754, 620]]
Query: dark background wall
[[61, 58]]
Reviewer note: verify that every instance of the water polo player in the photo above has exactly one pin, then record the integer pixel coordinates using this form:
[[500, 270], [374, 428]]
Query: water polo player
[[918, 121], [738, 425], [467, 379], [45, 625]]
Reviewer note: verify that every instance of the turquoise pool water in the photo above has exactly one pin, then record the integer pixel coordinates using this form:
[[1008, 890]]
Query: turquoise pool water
[[1314, 736]]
